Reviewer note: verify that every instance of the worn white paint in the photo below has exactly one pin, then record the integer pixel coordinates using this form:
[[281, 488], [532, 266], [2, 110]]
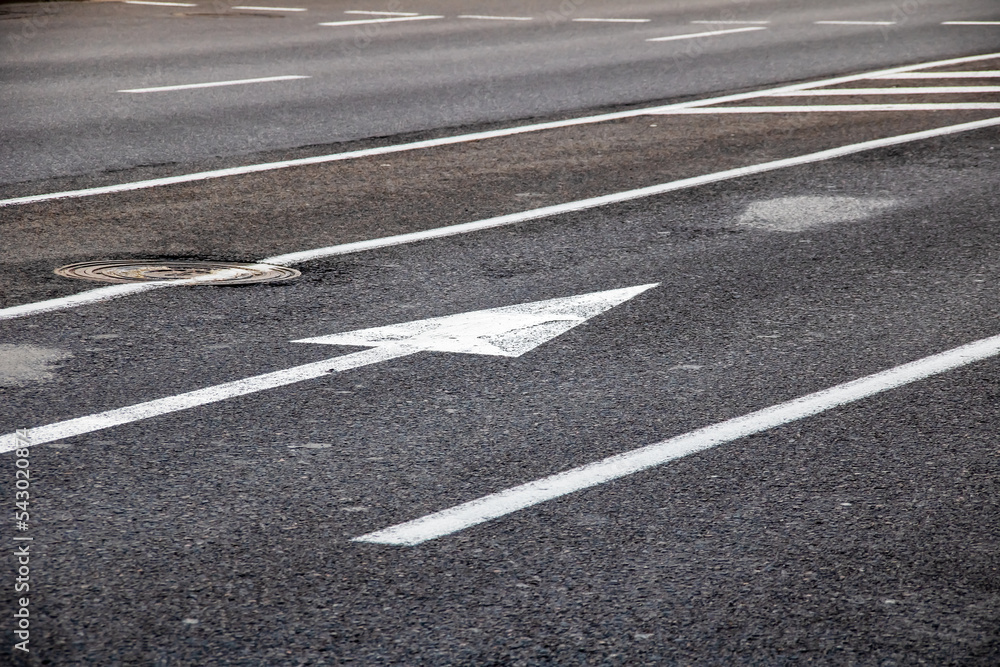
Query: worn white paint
[[836, 108], [272, 9], [475, 136], [509, 331], [854, 22], [526, 495], [801, 213], [22, 364], [732, 22], [973, 74], [159, 4], [612, 20], [108, 293], [215, 84], [495, 18], [368, 13], [970, 23], [710, 33]]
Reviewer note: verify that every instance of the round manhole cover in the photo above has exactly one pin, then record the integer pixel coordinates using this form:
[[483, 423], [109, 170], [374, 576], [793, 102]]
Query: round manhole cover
[[147, 270]]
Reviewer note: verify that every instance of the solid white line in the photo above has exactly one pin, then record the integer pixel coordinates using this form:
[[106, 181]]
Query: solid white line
[[272, 9], [520, 497], [393, 20], [475, 136], [496, 18], [191, 399], [612, 20], [703, 34], [974, 74], [955, 106], [213, 84], [159, 4], [971, 23], [916, 90], [854, 22], [732, 22], [107, 293], [359, 11]]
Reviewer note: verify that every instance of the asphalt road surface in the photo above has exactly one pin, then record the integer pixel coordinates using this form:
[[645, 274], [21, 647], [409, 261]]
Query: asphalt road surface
[[651, 448]]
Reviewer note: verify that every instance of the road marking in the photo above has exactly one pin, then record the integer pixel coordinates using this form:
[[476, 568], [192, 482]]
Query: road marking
[[710, 33], [508, 331], [272, 9], [108, 293], [214, 84], [919, 106], [854, 22], [159, 4], [360, 11], [612, 20], [496, 18], [974, 74], [921, 90], [732, 22], [971, 23], [392, 20], [511, 500], [475, 136]]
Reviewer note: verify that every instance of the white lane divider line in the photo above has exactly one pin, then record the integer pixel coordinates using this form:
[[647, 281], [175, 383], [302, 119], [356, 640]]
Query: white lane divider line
[[915, 90], [506, 502], [710, 33], [272, 9], [584, 20], [495, 18], [108, 293], [970, 23], [159, 4], [474, 136], [214, 84], [854, 22], [367, 13], [732, 22], [973, 74], [838, 108], [387, 20]]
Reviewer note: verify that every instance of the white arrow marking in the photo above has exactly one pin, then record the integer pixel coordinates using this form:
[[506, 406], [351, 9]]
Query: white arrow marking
[[509, 331]]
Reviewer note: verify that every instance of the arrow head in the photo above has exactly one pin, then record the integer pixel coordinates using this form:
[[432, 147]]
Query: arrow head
[[509, 331]]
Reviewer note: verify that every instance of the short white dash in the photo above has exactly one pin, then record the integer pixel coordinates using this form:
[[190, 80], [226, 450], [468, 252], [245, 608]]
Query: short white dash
[[213, 84], [390, 20], [854, 22], [732, 22], [710, 33], [360, 11], [271, 9], [160, 4], [918, 90], [495, 18], [971, 23], [980, 74], [612, 20], [517, 498]]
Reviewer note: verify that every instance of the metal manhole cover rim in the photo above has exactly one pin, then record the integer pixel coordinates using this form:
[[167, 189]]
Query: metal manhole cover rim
[[192, 272]]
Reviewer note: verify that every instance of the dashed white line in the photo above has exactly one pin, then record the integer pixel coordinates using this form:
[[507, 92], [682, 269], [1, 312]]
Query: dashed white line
[[971, 23], [854, 22], [710, 33], [839, 108], [476, 136], [214, 84], [914, 90], [732, 22], [974, 74], [271, 9], [360, 11], [506, 502], [159, 4], [108, 293], [612, 20], [496, 18], [422, 17]]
